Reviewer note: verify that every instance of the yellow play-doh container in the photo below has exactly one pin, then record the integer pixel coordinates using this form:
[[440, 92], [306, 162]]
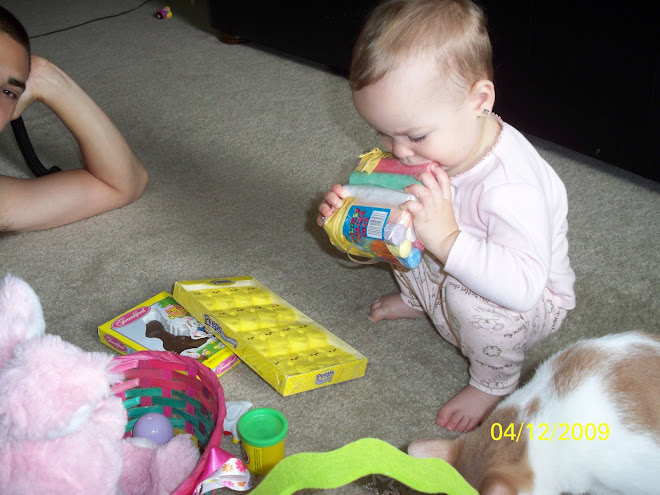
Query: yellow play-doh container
[[262, 433]]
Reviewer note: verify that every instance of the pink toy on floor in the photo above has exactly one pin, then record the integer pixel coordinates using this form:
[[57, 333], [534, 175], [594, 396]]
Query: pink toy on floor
[[61, 428]]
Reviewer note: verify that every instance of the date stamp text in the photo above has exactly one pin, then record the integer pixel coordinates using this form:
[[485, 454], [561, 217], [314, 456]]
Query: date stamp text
[[550, 432]]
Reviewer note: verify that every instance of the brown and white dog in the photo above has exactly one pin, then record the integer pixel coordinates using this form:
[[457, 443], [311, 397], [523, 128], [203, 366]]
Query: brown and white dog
[[587, 422]]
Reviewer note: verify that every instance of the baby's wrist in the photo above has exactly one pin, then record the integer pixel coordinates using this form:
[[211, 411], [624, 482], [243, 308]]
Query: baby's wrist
[[443, 248]]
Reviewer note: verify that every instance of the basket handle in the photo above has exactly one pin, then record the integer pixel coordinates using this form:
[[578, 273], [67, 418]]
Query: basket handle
[[222, 470]]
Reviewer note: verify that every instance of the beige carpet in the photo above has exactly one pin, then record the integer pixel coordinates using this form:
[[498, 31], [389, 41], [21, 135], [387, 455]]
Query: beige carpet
[[240, 142]]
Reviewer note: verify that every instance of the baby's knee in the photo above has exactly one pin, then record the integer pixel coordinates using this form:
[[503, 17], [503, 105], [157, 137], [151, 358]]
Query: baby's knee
[[471, 313], [456, 295]]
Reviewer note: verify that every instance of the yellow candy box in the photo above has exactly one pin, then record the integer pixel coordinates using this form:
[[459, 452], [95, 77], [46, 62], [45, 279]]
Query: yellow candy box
[[162, 324], [285, 347]]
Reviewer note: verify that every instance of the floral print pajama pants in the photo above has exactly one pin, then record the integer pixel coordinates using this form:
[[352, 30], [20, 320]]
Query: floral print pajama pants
[[494, 339]]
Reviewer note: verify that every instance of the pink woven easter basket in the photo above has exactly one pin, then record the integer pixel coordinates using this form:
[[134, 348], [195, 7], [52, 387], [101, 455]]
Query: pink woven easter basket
[[181, 388]]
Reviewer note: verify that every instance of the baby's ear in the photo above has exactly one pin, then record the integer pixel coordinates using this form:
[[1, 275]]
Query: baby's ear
[[497, 485], [21, 316], [443, 449], [482, 96]]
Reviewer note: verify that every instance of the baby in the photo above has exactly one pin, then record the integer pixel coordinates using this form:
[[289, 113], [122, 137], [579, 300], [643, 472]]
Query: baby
[[495, 278]]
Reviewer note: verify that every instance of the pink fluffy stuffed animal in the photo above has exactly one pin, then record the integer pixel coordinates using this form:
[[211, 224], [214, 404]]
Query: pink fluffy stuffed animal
[[61, 428]]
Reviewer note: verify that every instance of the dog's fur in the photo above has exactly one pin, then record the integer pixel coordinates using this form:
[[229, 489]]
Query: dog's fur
[[612, 381]]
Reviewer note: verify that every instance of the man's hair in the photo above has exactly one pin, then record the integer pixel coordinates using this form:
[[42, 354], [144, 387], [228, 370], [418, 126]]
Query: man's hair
[[13, 27], [453, 34]]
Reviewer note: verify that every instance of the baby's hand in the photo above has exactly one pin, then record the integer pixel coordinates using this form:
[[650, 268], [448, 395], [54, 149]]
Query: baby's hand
[[433, 216], [331, 201]]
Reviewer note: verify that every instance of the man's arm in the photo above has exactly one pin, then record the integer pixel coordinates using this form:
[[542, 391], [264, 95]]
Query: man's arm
[[112, 177]]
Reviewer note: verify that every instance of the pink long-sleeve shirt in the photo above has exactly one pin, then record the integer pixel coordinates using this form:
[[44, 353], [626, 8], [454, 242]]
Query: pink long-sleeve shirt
[[511, 209]]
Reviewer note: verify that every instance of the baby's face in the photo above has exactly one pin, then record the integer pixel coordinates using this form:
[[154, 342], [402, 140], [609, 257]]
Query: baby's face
[[420, 120]]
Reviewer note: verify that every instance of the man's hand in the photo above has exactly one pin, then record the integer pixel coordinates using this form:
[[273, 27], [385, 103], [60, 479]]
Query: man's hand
[[42, 73]]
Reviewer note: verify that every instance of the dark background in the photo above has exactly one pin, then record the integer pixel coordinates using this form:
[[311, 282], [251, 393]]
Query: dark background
[[580, 74]]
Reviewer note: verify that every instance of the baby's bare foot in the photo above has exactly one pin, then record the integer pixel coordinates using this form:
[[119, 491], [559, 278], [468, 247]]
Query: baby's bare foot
[[467, 409], [392, 307]]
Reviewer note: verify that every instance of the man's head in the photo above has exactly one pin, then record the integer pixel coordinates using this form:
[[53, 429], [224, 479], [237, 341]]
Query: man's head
[[14, 64], [13, 27]]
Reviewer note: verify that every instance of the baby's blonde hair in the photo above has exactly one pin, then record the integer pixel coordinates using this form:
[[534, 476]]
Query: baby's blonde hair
[[451, 33]]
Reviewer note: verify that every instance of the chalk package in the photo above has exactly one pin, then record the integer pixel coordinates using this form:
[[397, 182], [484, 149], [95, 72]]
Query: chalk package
[[370, 224]]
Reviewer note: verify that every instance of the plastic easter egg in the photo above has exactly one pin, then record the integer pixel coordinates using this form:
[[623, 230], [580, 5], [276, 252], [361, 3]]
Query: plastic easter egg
[[155, 427]]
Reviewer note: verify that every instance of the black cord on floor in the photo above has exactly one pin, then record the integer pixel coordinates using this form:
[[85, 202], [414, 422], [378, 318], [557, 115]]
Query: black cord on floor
[[87, 22]]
